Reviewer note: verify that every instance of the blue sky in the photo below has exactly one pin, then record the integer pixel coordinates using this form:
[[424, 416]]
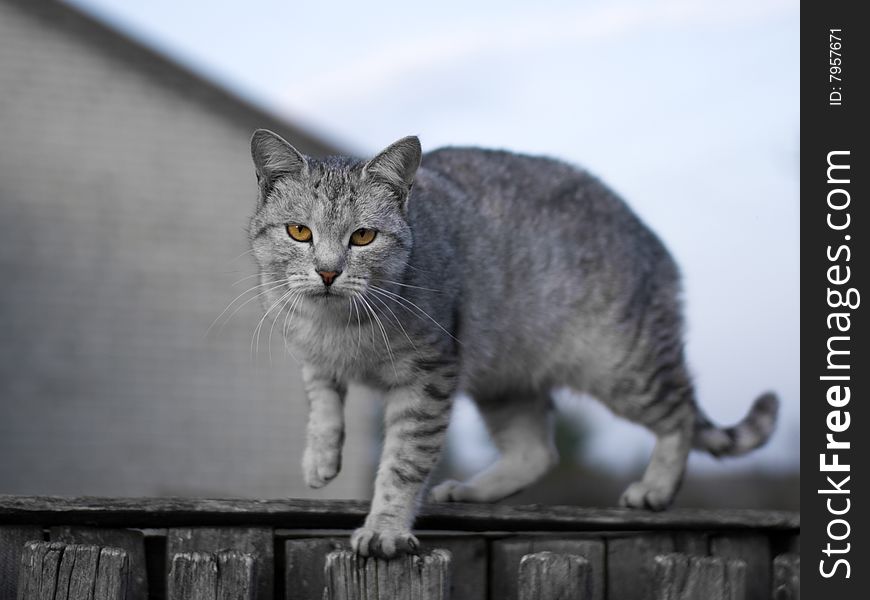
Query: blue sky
[[688, 108]]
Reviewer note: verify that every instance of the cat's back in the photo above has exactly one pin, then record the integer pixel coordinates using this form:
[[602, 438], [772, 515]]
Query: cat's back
[[482, 168], [506, 185], [540, 198], [486, 175]]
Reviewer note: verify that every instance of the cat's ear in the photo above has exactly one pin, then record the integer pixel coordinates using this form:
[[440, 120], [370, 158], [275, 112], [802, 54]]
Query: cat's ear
[[274, 157], [397, 164]]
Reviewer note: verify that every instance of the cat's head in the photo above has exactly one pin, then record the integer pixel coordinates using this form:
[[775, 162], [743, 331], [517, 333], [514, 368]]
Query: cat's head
[[326, 229]]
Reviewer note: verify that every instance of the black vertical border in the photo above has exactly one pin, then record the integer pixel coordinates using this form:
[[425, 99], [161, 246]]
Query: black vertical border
[[826, 128]]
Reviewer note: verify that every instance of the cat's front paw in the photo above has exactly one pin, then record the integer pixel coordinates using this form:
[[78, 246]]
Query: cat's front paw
[[383, 543], [645, 496], [320, 464], [450, 491]]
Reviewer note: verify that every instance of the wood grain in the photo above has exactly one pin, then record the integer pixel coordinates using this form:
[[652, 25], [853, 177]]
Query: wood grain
[[224, 575], [192, 576], [754, 550], [683, 577], [237, 576], [78, 572], [113, 575], [488, 542], [787, 577], [256, 541], [37, 577], [345, 514], [551, 576], [423, 577], [131, 541], [507, 554], [58, 571]]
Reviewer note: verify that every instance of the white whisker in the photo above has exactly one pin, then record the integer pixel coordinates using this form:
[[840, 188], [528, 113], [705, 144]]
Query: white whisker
[[399, 299], [383, 332], [240, 255], [288, 316], [416, 287], [234, 300], [410, 266], [275, 321], [395, 318], [349, 314], [260, 323], [358, 324], [244, 278]]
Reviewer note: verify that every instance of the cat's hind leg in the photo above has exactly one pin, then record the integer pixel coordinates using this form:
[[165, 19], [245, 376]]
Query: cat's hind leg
[[663, 475], [663, 401], [521, 426]]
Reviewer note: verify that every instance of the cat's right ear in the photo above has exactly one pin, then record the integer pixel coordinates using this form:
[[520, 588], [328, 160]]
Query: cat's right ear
[[398, 164], [274, 157]]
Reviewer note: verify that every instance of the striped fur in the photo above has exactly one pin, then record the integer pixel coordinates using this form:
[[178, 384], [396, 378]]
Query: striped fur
[[500, 276]]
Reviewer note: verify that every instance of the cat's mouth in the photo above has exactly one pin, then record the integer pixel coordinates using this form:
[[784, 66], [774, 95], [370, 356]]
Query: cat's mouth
[[328, 293]]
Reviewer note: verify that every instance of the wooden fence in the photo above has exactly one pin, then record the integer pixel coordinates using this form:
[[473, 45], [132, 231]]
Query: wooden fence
[[185, 549]]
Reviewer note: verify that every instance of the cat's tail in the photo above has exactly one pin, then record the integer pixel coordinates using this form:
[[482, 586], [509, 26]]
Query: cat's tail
[[750, 433]]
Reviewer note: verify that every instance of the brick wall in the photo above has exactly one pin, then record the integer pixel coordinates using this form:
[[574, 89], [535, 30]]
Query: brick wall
[[125, 186]]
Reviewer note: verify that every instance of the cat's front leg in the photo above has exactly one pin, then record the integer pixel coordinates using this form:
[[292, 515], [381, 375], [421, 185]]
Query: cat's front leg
[[416, 422], [321, 460]]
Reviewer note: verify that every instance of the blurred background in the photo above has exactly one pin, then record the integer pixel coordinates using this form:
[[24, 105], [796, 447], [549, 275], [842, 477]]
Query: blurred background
[[126, 185]]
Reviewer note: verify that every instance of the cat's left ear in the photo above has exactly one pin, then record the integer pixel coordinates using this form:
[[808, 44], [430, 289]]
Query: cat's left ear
[[397, 164], [273, 158]]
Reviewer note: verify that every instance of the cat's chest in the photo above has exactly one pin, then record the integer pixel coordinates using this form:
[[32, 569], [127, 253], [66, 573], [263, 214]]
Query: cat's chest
[[352, 349]]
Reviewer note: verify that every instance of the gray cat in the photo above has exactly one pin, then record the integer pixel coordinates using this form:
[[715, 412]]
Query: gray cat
[[495, 274]]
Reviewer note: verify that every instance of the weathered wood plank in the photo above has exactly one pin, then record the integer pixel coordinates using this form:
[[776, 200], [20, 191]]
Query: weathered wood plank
[[78, 572], [683, 577], [468, 565], [754, 550], [37, 577], [30, 565], [423, 577], [304, 566], [192, 576], [256, 541], [113, 575], [344, 514], [787, 577], [12, 540], [631, 571], [48, 573], [507, 554], [131, 541], [237, 576], [58, 571], [551, 576]]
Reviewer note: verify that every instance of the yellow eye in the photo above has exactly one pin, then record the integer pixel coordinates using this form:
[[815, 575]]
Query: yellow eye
[[300, 233], [363, 237]]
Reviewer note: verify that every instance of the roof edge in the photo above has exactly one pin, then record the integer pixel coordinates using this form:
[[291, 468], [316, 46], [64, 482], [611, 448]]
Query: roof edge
[[91, 30]]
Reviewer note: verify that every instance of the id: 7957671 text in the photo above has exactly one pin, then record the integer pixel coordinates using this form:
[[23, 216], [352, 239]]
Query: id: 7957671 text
[[835, 67]]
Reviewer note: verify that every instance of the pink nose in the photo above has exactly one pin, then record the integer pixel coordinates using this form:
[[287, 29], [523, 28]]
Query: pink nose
[[328, 276]]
